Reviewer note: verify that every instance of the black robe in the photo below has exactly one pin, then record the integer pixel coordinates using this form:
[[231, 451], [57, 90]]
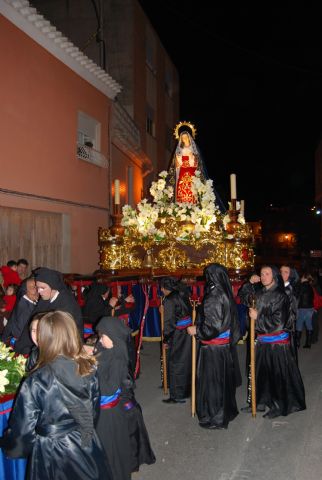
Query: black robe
[[217, 366], [95, 306], [141, 450], [176, 307], [66, 303], [52, 423], [18, 319], [279, 384], [112, 426]]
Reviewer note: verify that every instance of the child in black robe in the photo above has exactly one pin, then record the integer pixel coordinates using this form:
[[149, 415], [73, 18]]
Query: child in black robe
[[122, 419]]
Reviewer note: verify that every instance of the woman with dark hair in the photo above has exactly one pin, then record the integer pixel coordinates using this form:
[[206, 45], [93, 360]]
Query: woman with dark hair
[[218, 332], [177, 317], [52, 422], [279, 384]]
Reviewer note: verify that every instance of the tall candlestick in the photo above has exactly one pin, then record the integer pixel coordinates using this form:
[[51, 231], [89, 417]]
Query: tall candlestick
[[233, 190], [116, 192], [242, 207]]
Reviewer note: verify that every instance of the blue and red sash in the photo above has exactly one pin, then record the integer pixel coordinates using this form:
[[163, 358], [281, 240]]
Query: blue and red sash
[[110, 401], [88, 330], [183, 323], [280, 337], [222, 339]]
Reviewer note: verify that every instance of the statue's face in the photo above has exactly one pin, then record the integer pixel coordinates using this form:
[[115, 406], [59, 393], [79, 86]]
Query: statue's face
[[185, 139]]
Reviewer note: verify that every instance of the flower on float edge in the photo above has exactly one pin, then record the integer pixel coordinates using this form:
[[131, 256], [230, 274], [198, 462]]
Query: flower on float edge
[[12, 369], [3, 380]]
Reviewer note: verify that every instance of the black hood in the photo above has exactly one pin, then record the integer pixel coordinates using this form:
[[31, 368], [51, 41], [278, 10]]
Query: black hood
[[114, 328], [53, 278], [174, 285]]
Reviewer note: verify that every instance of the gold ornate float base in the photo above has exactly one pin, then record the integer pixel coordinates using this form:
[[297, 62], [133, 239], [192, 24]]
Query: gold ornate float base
[[133, 252]]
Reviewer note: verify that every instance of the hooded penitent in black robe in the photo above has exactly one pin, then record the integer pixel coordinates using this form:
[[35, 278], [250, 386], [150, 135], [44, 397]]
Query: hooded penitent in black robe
[[217, 363], [177, 311], [65, 301], [52, 423], [95, 306], [112, 426], [279, 384]]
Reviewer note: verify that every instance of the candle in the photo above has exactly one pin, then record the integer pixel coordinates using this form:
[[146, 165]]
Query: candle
[[116, 192], [233, 190], [242, 207]]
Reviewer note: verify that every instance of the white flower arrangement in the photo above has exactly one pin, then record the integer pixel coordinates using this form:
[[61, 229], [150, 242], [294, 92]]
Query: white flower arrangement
[[12, 369], [202, 214]]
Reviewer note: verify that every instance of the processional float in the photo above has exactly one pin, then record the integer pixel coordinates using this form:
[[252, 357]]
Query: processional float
[[178, 232], [165, 237]]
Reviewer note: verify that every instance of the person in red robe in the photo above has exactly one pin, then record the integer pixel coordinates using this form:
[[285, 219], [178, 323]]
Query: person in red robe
[[9, 274]]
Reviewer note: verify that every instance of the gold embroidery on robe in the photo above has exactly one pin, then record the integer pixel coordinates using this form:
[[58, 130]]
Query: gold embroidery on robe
[[184, 192]]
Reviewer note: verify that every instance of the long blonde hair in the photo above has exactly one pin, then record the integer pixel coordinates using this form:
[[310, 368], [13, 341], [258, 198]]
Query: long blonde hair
[[58, 335]]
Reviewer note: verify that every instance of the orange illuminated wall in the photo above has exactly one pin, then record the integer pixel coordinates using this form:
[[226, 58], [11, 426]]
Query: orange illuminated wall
[[120, 162], [40, 100]]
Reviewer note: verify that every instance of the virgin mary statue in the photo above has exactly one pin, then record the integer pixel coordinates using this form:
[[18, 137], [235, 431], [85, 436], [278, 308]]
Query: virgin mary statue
[[185, 161]]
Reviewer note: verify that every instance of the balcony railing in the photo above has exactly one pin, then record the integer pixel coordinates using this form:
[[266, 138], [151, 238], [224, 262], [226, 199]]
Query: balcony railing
[[91, 155]]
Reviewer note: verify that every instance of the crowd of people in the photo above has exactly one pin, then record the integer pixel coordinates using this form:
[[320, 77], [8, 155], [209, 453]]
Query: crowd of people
[[82, 391], [75, 392]]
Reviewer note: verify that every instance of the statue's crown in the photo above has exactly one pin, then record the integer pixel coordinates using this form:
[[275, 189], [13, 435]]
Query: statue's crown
[[184, 126]]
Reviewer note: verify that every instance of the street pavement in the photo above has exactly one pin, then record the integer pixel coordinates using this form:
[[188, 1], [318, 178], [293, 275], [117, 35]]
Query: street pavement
[[284, 448]]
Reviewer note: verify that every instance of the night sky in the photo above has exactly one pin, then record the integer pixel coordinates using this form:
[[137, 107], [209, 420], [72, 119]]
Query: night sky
[[260, 112]]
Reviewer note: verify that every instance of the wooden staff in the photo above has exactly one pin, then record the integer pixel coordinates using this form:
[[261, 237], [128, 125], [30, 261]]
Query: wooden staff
[[193, 366], [164, 350], [252, 363]]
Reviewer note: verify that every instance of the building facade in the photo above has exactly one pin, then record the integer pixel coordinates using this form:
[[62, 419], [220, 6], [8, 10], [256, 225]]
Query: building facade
[[70, 128], [54, 189], [118, 36]]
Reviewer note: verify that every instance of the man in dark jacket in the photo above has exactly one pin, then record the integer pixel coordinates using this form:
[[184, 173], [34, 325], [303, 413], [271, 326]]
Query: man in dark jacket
[[27, 297], [305, 310]]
